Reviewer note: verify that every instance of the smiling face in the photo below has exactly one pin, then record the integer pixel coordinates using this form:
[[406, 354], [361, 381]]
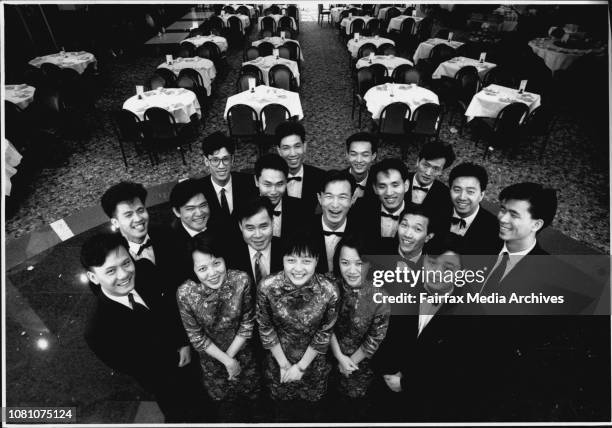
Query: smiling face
[[412, 233], [220, 165], [335, 203], [132, 220], [194, 213], [117, 275], [352, 268], [257, 230], [299, 269], [272, 184], [448, 261], [516, 226], [428, 170], [360, 157], [466, 195], [390, 188], [293, 150], [210, 270]]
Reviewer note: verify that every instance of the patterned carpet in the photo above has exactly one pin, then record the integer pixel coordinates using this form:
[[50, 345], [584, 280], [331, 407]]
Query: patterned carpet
[[574, 163]]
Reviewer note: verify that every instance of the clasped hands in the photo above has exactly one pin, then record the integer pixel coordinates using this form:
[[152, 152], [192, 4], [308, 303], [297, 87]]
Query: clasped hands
[[290, 373], [346, 365]]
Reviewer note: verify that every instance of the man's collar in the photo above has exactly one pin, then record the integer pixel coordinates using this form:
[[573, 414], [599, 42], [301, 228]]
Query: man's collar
[[300, 173], [134, 247], [339, 229], [396, 212], [519, 253], [190, 231], [416, 183], [227, 187], [266, 252]]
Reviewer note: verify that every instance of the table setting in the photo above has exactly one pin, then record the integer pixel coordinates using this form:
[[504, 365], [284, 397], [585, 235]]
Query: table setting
[[424, 48], [262, 95], [277, 18], [346, 22], [182, 103], [21, 95], [559, 55], [204, 66], [276, 42], [76, 60], [246, 21], [492, 99], [200, 40], [354, 44], [389, 61], [395, 24], [452, 66], [378, 97], [267, 62]]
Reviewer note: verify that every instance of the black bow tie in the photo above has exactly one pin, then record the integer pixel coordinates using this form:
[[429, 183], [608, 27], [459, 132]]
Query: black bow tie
[[361, 187], [329, 233], [144, 247], [391, 216], [277, 213], [461, 222], [422, 189], [294, 178]]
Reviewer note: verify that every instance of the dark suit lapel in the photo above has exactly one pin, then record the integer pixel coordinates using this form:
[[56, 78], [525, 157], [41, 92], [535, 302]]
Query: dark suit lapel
[[210, 190]]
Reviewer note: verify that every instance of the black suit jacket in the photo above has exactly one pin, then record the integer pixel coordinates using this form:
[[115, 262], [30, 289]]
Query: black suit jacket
[[438, 201], [164, 243], [365, 214], [241, 260], [316, 231], [482, 237], [296, 214], [369, 190], [311, 183]]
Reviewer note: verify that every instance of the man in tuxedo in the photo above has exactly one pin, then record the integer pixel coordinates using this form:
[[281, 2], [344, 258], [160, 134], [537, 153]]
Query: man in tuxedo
[[335, 195], [303, 181], [124, 204], [259, 254], [361, 151], [271, 179], [425, 188], [224, 189], [135, 330], [378, 218], [476, 228]]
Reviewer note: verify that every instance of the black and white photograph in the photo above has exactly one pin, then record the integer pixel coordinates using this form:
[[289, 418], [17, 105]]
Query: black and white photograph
[[307, 213]]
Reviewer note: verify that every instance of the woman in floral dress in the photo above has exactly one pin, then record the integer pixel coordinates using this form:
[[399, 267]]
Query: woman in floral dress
[[219, 316], [296, 311]]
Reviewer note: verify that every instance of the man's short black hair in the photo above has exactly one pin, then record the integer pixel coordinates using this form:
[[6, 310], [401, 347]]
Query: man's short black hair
[[183, 191], [287, 128], [420, 210], [437, 150], [365, 137], [216, 141], [337, 175], [469, 169], [387, 165], [96, 248], [125, 191], [254, 206], [271, 161], [542, 201]]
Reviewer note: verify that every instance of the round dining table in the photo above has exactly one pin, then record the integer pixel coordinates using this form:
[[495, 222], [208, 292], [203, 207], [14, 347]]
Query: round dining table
[[262, 95], [21, 95], [378, 97], [200, 40], [346, 22], [265, 63], [78, 61], [556, 56], [389, 61], [353, 46], [395, 24], [204, 66], [492, 99], [452, 66], [182, 103], [246, 21], [277, 18], [276, 42], [424, 48]]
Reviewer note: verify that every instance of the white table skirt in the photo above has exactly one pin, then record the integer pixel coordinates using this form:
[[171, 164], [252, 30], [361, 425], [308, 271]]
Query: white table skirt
[[425, 48], [379, 97], [491, 100], [267, 62], [389, 61], [200, 40], [182, 103], [555, 57], [278, 41], [204, 66], [245, 20], [264, 95], [396, 23], [276, 19], [76, 60], [353, 46], [346, 22], [451, 67], [20, 95]]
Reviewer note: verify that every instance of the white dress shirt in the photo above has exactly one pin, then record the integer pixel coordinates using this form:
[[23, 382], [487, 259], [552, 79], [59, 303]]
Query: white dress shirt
[[418, 196], [359, 192], [264, 262], [277, 220], [147, 253], [513, 259], [294, 187], [468, 222], [388, 226], [124, 300], [190, 231], [228, 193], [330, 243]]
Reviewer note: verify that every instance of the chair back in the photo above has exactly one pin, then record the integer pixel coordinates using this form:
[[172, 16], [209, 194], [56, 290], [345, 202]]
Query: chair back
[[365, 80], [386, 49], [393, 119], [243, 10], [216, 24], [285, 21], [355, 11], [469, 50], [127, 125], [424, 28], [196, 32], [52, 74], [509, 119], [251, 53], [426, 119], [273, 115], [156, 81], [408, 11], [160, 123], [469, 82], [185, 50], [441, 53], [294, 50], [265, 48], [235, 25], [253, 71], [373, 27], [540, 121], [406, 27], [366, 49], [406, 73], [242, 84], [168, 76], [229, 9], [266, 32], [280, 76], [268, 23], [292, 11], [193, 75], [242, 121], [274, 10], [290, 33], [392, 12], [213, 49], [380, 73], [500, 76], [284, 52], [357, 26]]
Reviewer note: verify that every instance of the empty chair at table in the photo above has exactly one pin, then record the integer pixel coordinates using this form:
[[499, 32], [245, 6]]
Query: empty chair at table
[[217, 25], [280, 76], [354, 11], [267, 23], [185, 50], [356, 26], [394, 125], [502, 76], [284, 52], [252, 70], [285, 22], [386, 49], [243, 10], [229, 9], [539, 123], [211, 51], [242, 122], [426, 121], [75, 90], [235, 30], [438, 55], [161, 130], [154, 82], [168, 76], [504, 131], [265, 48], [392, 12], [364, 80], [442, 33], [191, 79], [373, 27], [290, 33], [380, 73], [242, 84], [408, 11], [324, 11], [404, 36], [465, 85], [274, 10], [469, 50], [129, 128], [406, 73], [251, 53], [271, 116], [366, 49], [294, 50], [293, 12]]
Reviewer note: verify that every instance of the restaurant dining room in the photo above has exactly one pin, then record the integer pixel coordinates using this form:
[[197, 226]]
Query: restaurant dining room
[[144, 143]]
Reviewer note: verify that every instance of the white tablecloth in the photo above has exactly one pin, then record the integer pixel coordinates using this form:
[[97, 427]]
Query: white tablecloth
[[245, 20], [346, 22], [383, 11], [12, 158], [451, 67], [265, 95], [180, 102], [353, 46], [200, 40], [278, 41], [395, 24], [379, 97], [248, 6], [76, 60], [389, 61], [492, 99], [204, 66], [20, 95], [335, 13], [267, 62], [555, 57], [425, 48], [276, 19]]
